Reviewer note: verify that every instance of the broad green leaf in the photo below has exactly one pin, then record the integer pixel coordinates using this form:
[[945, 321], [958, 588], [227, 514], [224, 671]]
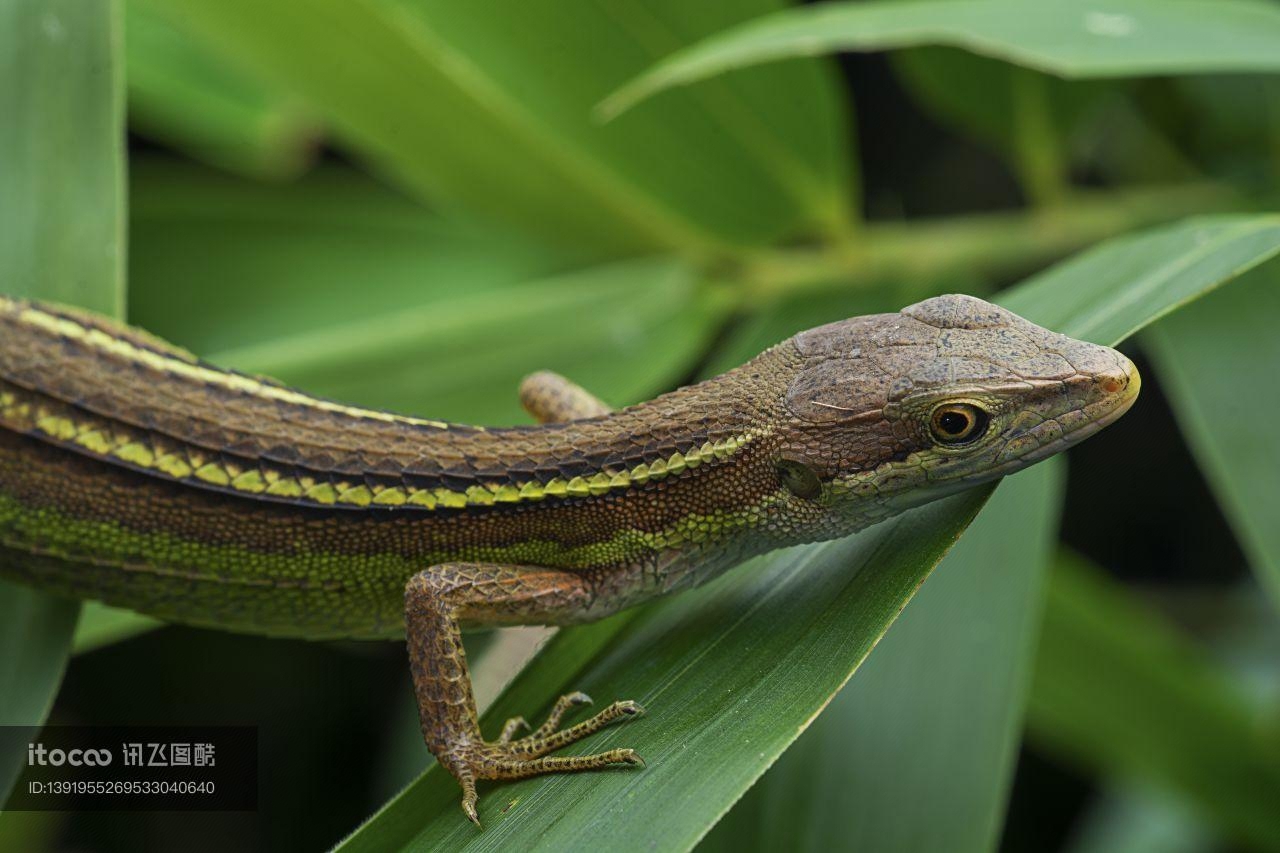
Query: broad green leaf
[[917, 752], [61, 152], [719, 669], [486, 106], [445, 321], [1124, 38], [61, 237], [702, 644], [185, 97], [1218, 362], [1122, 692]]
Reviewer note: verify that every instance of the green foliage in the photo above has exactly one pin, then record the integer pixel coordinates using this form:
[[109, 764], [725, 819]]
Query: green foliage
[[686, 673], [1213, 357], [61, 153], [881, 768], [1128, 38], [480, 221], [61, 237], [472, 106], [181, 95], [1120, 689]]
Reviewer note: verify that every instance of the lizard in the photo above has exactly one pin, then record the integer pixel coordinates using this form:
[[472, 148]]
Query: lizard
[[133, 473]]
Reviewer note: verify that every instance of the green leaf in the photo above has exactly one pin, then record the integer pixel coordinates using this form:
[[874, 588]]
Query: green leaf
[[1111, 291], [1217, 363], [471, 105], [61, 153], [1122, 692], [182, 95], [917, 752], [61, 237], [1126, 38], [446, 322], [730, 674], [719, 669]]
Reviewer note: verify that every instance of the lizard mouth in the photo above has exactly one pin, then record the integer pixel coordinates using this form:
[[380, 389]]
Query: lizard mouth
[[1116, 390]]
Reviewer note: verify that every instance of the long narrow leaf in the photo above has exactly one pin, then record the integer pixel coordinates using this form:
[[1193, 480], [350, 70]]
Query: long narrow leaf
[[917, 752], [1218, 361], [1111, 291], [1121, 38], [61, 237]]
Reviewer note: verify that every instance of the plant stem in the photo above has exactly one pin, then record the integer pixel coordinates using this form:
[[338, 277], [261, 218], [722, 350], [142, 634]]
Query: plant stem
[[1038, 157], [989, 245]]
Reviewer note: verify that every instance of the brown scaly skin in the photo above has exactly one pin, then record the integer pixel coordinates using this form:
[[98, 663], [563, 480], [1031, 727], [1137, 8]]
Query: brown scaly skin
[[438, 597], [133, 473]]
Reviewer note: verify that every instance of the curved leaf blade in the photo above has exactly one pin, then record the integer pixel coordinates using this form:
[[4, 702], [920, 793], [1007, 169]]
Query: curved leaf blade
[[1127, 38], [917, 752], [475, 107], [1113, 290], [717, 668]]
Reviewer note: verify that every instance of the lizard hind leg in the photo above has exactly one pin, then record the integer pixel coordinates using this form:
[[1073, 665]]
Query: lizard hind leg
[[551, 399], [435, 600]]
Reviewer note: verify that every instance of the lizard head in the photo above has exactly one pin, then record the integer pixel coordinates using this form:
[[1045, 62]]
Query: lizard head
[[894, 410]]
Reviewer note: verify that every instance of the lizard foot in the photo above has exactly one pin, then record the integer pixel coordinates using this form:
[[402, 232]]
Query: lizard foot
[[515, 758]]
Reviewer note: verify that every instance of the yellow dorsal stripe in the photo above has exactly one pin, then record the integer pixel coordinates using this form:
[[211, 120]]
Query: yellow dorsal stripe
[[105, 343], [115, 442]]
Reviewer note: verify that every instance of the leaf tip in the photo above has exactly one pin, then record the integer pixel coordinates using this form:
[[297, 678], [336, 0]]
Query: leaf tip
[[622, 100]]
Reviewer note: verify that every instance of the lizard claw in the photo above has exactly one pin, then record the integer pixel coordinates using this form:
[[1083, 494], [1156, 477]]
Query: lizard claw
[[506, 758]]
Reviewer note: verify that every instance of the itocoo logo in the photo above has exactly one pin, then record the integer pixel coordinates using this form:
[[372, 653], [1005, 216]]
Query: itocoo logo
[[37, 754]]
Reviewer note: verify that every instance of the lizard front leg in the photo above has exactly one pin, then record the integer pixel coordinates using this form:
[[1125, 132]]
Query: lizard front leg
[[435, 601]]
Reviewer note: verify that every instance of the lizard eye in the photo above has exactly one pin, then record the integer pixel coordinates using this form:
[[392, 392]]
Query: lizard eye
[[958, 423], [799, 479]]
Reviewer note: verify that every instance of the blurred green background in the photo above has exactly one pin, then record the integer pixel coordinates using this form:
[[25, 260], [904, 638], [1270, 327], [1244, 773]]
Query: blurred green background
[[414, 203]]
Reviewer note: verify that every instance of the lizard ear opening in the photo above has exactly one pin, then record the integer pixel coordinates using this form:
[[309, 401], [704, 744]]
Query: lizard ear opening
[[798, 478]]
